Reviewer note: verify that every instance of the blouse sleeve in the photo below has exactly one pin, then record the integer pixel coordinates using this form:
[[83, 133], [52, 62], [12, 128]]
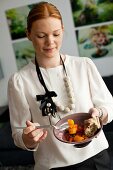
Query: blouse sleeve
[[100, 94], [18, 107]]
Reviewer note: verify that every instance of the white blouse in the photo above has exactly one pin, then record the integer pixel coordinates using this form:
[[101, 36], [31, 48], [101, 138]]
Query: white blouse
[[89, 91]]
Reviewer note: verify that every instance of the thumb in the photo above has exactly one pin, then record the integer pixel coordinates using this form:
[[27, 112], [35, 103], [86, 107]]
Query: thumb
[[29, 123], [31, 127]]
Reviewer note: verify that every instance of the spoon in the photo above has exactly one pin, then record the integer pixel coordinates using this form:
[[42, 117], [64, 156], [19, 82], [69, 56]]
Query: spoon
[[61, 127]]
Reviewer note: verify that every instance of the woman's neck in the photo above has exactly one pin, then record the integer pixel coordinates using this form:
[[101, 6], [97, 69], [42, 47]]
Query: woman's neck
[[49, 62]]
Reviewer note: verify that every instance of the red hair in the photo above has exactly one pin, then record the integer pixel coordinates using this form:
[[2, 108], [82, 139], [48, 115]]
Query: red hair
[[40, 11]]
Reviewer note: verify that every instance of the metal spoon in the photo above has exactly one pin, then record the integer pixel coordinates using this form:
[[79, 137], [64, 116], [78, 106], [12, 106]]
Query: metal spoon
[[61, 127]]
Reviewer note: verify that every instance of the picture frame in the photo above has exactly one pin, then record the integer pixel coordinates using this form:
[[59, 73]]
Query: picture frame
[[16, 20], [93, 24]]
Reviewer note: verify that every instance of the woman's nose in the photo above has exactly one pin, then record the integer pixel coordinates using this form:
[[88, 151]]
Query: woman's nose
[[50, 40]]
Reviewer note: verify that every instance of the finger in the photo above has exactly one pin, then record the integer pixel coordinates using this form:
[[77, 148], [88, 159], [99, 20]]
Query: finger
[[39, 138], [35, 133], [27, 130], [30, 127], [92, 110], [95, 112], [29, 123], [43, 136]]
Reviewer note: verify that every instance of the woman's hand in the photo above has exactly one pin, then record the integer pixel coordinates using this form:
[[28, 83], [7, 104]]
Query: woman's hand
[[32, 136], [96, 112]]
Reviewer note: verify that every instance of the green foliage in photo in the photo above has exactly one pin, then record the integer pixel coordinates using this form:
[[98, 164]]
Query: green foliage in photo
[[16, 19], [89, 12]]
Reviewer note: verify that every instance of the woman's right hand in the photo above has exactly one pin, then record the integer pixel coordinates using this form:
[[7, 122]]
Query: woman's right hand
[[32, 136]]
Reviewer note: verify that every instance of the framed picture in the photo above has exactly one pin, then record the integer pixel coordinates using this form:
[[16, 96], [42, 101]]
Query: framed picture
[[93, 22], [16, 20], [95, 42], [90, 12], [24, 52]]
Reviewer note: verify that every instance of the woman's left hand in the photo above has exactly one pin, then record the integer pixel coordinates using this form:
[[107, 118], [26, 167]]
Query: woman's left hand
[[95, 112]]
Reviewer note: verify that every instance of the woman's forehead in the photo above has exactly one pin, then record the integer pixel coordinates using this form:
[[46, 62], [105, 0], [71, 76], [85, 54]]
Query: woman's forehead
[[47, 23]]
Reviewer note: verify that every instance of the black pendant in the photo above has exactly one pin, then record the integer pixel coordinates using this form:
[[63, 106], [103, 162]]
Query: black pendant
[[47, 106]]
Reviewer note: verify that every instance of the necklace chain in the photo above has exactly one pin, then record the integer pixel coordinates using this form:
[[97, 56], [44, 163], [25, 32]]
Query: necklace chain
[[70, 94]]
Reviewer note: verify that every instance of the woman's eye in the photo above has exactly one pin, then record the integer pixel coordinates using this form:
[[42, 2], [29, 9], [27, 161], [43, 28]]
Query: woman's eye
[[40, 36], [56, 35]]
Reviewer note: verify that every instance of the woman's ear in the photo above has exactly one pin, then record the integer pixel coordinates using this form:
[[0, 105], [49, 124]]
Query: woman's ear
[[28, 35]]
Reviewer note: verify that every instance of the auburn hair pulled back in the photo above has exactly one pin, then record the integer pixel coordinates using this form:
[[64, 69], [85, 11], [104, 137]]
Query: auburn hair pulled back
[[42, 10]]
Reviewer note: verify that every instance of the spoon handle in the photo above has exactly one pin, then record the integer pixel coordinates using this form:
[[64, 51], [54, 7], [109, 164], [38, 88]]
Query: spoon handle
[[39, 127]]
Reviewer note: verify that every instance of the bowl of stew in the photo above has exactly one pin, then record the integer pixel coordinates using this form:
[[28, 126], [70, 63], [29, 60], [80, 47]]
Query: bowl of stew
[[76, 135]]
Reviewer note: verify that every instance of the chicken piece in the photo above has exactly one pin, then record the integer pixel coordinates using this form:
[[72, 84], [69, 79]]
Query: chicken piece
[[91, 126]]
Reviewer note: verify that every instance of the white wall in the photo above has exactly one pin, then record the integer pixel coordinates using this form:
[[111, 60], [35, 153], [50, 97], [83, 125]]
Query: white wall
[[7, 55]]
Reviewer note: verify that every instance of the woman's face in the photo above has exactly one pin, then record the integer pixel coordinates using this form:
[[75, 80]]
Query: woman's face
[[46, 36]]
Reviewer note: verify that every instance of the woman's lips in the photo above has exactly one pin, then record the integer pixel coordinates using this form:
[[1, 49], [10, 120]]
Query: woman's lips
[[49, 49]]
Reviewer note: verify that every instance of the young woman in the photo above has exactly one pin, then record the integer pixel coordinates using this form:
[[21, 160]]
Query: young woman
[[39, 90]]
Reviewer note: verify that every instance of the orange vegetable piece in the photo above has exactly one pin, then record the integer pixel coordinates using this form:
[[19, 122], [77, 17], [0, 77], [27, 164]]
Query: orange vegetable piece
[[78, 138], [73, 130], [70, 123]]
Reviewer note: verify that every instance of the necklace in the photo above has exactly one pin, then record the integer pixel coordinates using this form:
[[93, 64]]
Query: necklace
[[71, 98], [48, 103], [70, 94]]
